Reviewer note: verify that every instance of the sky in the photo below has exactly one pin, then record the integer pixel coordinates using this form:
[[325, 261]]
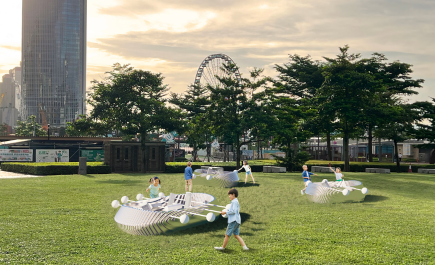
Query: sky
[[173, 37]]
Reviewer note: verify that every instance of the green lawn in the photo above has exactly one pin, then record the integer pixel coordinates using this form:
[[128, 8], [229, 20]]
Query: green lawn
[[69, 220]]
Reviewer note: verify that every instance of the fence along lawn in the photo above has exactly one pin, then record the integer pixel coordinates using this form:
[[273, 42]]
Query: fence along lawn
[[68, 219]]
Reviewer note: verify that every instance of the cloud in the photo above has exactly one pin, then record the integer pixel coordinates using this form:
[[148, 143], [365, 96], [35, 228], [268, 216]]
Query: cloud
[[11, 47]]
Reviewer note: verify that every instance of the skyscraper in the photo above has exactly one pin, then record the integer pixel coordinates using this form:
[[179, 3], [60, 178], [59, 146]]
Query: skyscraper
[[53, 60]]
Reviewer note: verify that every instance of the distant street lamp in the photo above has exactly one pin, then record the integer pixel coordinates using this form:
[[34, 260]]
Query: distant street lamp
[[48, 132]]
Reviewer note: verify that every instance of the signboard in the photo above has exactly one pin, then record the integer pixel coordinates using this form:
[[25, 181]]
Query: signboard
[[406, 149], [52, 155], [93, 155], [17, 155], [168, 138]]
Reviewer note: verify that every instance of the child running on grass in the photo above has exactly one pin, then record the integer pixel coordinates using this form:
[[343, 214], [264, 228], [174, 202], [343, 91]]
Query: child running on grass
[[306, 176], [234, 220], [338, 175], [248, 171], [154, 188]]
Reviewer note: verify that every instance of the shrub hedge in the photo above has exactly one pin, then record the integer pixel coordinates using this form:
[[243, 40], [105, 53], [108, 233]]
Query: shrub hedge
[[61, 168], [361, 166]]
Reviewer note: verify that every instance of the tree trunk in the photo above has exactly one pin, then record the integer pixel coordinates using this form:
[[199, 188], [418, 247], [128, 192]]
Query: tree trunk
[[396, 156], [238, 146], [370, 144], [194, 153], [258, 149], [380, 150], [346, 151], [328, 145]]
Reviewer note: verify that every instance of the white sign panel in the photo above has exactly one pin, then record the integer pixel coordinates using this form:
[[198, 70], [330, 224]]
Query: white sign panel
[[52, 155], [406, 149], [17, 155]]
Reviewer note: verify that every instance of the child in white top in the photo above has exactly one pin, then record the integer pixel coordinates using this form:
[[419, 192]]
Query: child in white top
[[338, 175], [248, 171]]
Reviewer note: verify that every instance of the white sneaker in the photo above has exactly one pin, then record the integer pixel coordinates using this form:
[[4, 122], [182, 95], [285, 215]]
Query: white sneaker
[[302, 192], [245, 248], [219, 248]]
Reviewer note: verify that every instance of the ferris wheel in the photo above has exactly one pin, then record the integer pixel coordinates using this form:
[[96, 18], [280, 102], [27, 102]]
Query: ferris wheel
[[210, 68]]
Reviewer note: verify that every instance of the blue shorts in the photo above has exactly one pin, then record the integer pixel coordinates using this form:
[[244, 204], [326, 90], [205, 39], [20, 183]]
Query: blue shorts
[[154, 196], [248, 172], [233, 228]]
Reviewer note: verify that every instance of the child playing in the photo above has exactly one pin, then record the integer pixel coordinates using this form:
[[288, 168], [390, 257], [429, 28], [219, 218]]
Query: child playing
[[188, 174], [234, 220], [248, 171], [338, 175], [154, 188], [306, 176]]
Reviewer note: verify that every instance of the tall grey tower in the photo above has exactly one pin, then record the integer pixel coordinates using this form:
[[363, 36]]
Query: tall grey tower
[[53, 60]]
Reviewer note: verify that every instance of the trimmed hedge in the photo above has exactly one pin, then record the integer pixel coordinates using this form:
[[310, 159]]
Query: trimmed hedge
[[361, 166], [61, 168]]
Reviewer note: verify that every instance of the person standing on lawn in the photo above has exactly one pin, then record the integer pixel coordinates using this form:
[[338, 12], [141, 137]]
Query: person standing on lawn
[[188, 174]]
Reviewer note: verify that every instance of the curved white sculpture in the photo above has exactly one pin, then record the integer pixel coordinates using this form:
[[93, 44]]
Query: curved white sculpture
[[159, 215]]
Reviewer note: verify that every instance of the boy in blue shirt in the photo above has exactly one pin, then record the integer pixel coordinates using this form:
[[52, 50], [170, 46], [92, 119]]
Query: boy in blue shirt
[[188, 173], [306, 176], [234, 220]]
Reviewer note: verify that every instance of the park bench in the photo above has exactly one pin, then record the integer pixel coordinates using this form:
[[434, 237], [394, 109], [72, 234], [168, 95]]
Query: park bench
[[274, 169], [426, 170], [321, 169], [378, 170]]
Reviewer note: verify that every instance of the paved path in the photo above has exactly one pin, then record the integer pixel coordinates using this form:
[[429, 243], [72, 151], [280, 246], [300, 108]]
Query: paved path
[[13, 175]]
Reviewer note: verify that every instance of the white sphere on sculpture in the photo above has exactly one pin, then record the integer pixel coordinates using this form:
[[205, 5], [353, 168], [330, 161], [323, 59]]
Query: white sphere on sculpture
[[208, 177], [364, 190], [211, 217], [161, 195], [325, 181], [345, 192], [309, 183], [124, 199], [184, 219], [193, 176], [139, 197], [115, 204]]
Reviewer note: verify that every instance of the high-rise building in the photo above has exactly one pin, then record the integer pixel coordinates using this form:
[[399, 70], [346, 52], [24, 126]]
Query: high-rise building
[[8, 88], [53, 60]]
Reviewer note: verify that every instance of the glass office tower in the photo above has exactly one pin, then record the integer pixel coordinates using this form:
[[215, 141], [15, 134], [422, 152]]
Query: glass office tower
[[53, 60]]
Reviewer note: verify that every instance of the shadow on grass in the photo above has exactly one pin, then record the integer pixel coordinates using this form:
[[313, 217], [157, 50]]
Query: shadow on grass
[[374, 198], [205, 227], [120, 182], [249, 184]]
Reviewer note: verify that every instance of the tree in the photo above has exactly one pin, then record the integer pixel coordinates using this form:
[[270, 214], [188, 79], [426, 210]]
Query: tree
[[88, 126], [4, 129], [395, 81], [426, 111], [302, 78], [230, 108], [26, 128], [134, 102], [350, 88], [400, 126], [194, 104]]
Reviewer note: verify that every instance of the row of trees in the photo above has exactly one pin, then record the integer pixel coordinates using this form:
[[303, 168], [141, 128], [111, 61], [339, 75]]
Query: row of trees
[[346, 96]]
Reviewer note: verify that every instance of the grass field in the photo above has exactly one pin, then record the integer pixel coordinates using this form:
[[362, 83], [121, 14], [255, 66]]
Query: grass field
[[69, 220]]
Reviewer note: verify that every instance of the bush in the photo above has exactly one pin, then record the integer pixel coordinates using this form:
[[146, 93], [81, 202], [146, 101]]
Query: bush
[[361, 166], [66, 168]]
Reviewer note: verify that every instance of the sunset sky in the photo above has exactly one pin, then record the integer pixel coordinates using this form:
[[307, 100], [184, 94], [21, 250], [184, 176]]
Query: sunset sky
[[173, 36]]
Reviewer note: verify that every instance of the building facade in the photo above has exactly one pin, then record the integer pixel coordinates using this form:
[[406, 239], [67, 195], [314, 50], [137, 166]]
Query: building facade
[[8, 86], [53, 54]]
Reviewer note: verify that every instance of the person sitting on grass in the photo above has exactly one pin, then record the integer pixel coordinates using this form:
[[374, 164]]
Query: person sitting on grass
[[306, 176], [234, 220], [154, 188], [248, 171], [338, 175]]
